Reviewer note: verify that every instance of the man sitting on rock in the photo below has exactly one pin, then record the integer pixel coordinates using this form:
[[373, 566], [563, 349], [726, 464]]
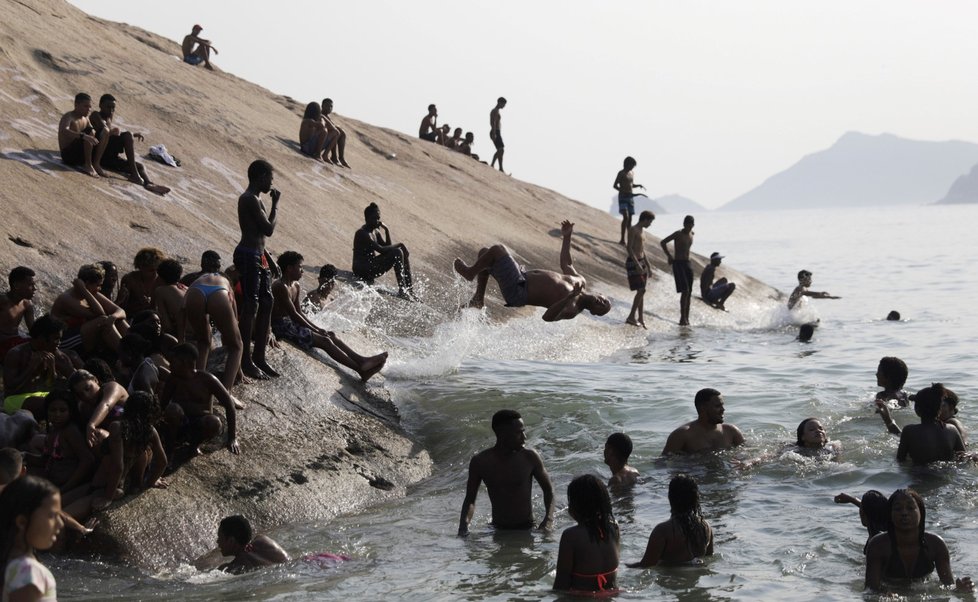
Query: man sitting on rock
[[562, 294], [30, 369], [202, 52], [107, 153], [291, 324], [715, 293], [374, 254], [76, 138]]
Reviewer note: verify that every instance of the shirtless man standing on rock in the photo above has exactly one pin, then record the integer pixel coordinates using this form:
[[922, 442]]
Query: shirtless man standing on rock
[[708, 432], [507, 469], [562, 294], [682, 271], [76, 137]]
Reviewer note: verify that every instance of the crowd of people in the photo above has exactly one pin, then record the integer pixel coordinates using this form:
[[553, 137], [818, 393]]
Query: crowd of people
[[443, 135]]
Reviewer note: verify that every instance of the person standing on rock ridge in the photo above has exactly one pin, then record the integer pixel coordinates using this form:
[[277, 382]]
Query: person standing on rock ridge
[[202, 52], [251, 262], [682, 271], [638, 268], [624, 184], [496, 132], [76, 137]]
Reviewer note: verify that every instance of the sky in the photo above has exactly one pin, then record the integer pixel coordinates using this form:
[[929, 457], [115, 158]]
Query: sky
[[710, 98]]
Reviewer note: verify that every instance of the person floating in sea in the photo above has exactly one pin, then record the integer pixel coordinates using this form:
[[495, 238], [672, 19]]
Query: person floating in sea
[[686, 536], [562, 294], [708, 432], [624, 184], [806, 332], [617, 450], [289, 322], [76, 137], [715, 293], [235, 538], [507, 469], [429, 125], [107, 154], [638, 268], [682, 271], [496, 132], [197, 50], [251, 262], [805, 281], [892, 376], [906, 551], [811, 440], [374, 254], [589, 552]]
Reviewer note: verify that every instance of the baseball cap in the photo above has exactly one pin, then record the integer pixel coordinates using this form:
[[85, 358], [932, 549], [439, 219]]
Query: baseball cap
[[715, 255]]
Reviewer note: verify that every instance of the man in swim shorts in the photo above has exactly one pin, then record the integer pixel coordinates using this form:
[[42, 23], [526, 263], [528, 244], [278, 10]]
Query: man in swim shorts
[[429, 125], [16, 306], [638, 268], [715, 293], [107, 153], [805, 281], [626, 197], [508, 469], [76, 137], [197, 50], [496, 132], [682, 271], [374, 254], [251, 262], [561, 293], [708, 432]]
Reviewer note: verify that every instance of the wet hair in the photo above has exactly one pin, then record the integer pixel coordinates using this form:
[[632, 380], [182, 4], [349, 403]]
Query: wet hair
[[893, 316], [684, 504], [800, 432], [598, 305], [19, 274], [82, 97], [920, 507], [630, 163], [951, 399], [135, 345], [622, 444], [588, 499], [100, 369], [110, 279], [65, 395], [313, 110], [327, 272], [371, 209], [80, 376], [703, 396], [11, 465], [927, 402], [46, 326], [148, 257], [802, 274], [236, 527], [185, 351], [210, 258], [504, 417], [136, 424], [646, 215], [895, 371], [20, 498], [91, 273], [289, 259], [258, 168], [169, 271], [806, 332], [875, 508], [431, 108]]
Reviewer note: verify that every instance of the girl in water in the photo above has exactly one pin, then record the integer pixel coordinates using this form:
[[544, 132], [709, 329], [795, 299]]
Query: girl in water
[[587, 560], [906, 551], [30, 519], [812, 440], [686, 536]]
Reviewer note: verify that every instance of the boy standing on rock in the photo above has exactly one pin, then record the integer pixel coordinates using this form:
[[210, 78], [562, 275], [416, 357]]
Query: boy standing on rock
[[638, 268], [682, 271]]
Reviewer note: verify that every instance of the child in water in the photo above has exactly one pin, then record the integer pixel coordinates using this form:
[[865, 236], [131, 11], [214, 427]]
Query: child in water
[[235, 538], [587, 560], [873, 511], [30, 519], [617, 449]]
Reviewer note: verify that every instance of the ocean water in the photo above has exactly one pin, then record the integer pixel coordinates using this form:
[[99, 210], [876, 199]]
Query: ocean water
[[779, 535]]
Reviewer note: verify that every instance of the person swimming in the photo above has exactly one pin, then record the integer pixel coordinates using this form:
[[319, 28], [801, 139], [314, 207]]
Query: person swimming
[[587, 560]]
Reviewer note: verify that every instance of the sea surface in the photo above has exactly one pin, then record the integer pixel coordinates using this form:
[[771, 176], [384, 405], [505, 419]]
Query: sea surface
[[779, 535]]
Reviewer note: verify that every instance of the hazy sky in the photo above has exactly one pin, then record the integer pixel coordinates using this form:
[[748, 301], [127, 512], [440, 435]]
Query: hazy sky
[[710, 98]]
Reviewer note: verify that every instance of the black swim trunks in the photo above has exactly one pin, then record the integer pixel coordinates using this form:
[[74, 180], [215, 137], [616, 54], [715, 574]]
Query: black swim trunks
[[511, 279], [253, 269], [111, 159], [74, 153], [497, 139], [682, 271], [430, 137]]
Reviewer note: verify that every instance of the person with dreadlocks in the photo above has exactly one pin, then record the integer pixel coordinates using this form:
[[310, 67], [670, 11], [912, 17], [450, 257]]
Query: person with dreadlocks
[[587, 560], [686, 536]]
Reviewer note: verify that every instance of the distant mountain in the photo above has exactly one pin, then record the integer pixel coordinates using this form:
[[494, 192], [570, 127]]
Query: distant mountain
[[671, 203], [861, 170], [964, 189]]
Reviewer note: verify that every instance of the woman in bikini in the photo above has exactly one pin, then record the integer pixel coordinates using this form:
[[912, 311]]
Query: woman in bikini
[[907, 552], [208, 299], [686, 536], [587, 560]]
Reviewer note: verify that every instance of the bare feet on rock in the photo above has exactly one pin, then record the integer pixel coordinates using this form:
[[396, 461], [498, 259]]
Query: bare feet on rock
[[253, 371], [372, 365], [157, 188], [264, 367]]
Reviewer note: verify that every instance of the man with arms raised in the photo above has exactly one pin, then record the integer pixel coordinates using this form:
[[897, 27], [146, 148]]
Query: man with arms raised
[[682, 271], [708, 432], [562, 294], [16, 307], [507, 469], [252, 264], [76, 137], [202, 52]]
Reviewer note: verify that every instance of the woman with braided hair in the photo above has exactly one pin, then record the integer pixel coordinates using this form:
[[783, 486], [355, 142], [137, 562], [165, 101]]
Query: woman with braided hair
[[686, 536], [587, 560]]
